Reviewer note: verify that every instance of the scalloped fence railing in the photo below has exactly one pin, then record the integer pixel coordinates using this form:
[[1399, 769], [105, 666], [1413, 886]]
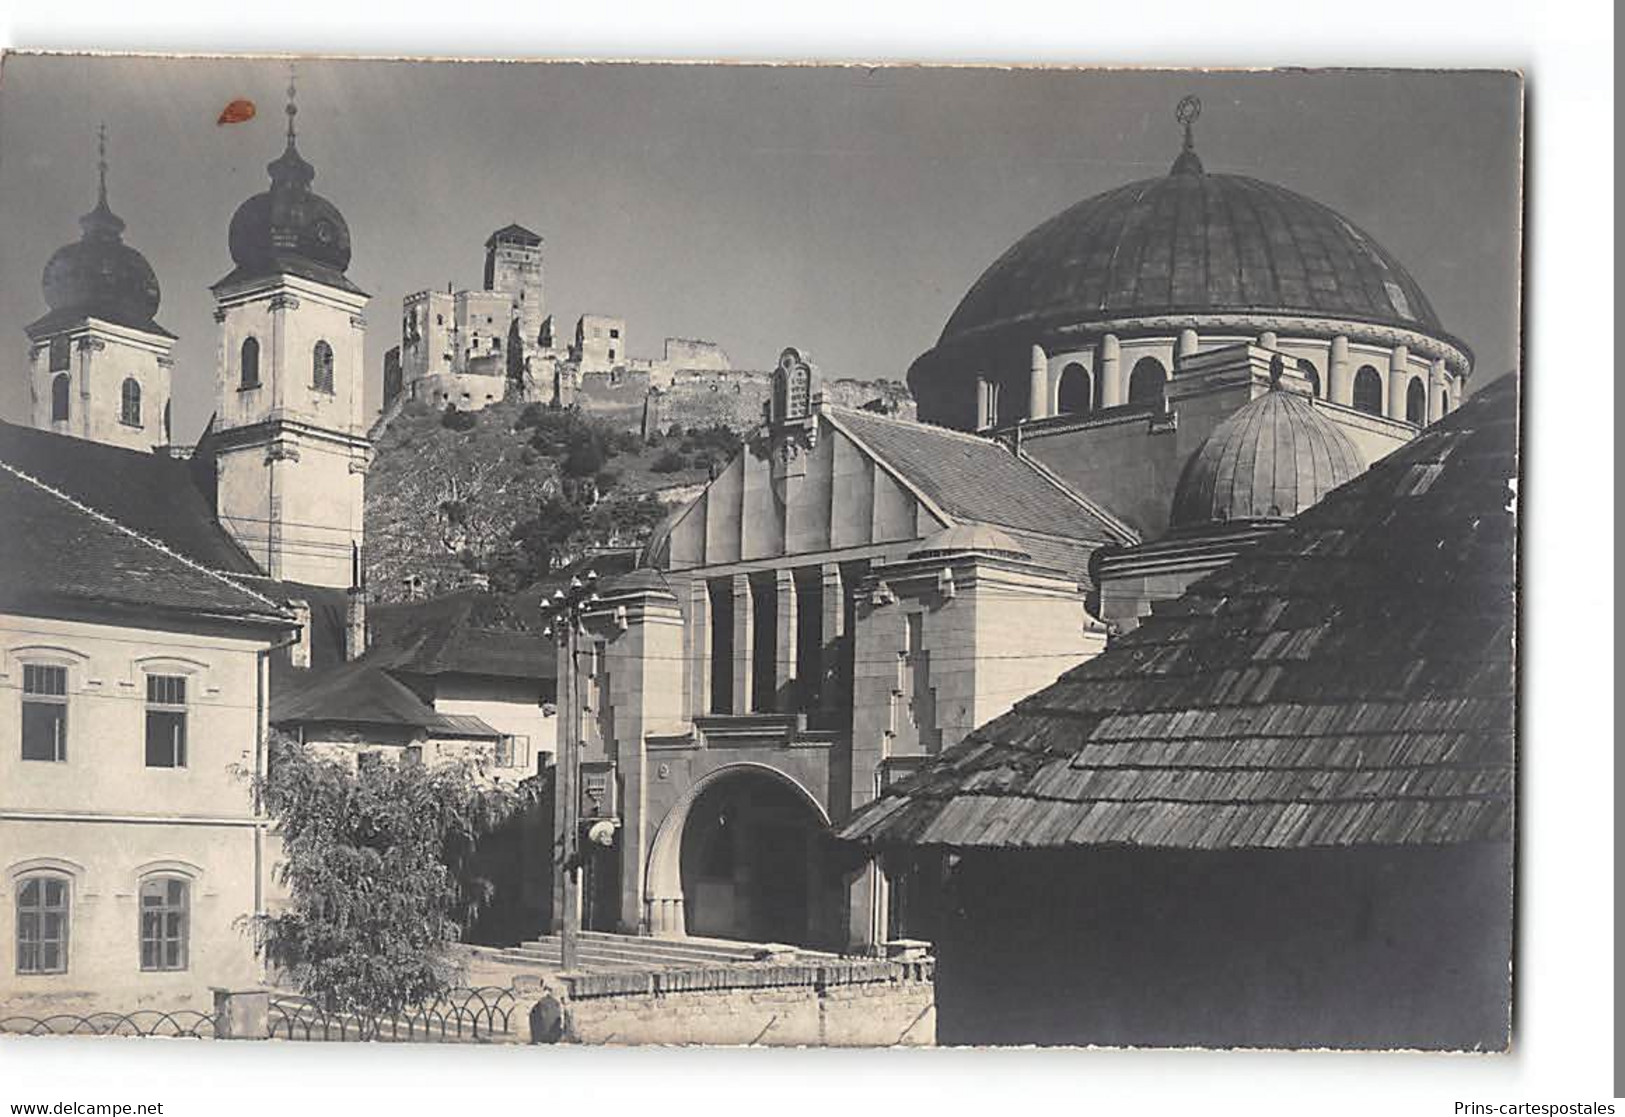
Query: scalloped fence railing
[[182, 1024], [484, 1015]]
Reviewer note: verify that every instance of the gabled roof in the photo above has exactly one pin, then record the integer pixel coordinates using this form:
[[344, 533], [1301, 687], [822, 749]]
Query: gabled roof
[[56, 554], [978, 480], [363, 692], [155, 495], [1349, 681]]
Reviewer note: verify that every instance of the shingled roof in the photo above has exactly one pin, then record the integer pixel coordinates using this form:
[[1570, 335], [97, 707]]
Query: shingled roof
[[153, 494], [58, 555], [978, 480], [1350, 681]]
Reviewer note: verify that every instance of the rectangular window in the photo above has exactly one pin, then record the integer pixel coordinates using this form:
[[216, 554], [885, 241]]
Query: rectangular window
[[45, 712], [164, 919], [722, 645], [764, 604], [42, 925], [166, 721]]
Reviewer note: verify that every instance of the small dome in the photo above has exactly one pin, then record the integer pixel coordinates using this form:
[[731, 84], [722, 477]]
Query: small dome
[[1269, 461], [101, 276], [984, 538]]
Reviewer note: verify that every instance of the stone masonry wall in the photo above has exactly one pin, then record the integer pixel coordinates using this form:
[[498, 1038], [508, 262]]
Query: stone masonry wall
[[838, 1003]]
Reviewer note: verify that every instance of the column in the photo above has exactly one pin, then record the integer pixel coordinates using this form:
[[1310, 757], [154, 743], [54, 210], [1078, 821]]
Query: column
[[983, 418], [832, 628], [744, 643], [1185, 347], [1038, 385], [1399, 363], [1111, 371], [784, 651], [1438, 380], [699, 649], [1338, 387]]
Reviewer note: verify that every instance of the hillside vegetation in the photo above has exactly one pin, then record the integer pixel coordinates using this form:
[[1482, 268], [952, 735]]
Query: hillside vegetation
[[507, 494]]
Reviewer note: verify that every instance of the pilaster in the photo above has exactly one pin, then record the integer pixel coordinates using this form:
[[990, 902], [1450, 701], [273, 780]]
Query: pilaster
[[1111, 371], [744, 643], [1339, 387]]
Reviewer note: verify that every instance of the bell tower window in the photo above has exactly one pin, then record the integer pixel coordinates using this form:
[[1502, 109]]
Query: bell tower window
[[250, 363], [61, 386], [130, 402], [321, 374]]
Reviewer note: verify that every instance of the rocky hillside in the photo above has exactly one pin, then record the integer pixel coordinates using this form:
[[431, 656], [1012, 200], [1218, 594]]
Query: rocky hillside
[[504, 495]]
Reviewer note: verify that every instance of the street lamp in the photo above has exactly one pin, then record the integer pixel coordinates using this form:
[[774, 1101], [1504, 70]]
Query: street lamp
[[564, 612]]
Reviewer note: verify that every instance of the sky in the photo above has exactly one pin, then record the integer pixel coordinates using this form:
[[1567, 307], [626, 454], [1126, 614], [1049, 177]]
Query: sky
[[843, 210]]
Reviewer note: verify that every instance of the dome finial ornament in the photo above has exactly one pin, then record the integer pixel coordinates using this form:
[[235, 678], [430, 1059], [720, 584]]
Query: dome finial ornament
[[101, 164], [293, 108], [1187, 112]]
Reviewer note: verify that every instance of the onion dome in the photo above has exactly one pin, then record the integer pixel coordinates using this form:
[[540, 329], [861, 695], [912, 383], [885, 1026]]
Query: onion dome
[[290, 229], [1191, 242], [1269, 460], [99, 276], [981, 538]]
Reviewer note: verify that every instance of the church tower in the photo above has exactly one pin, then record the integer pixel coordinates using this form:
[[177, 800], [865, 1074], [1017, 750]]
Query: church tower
[[290, 439], [99, 366]]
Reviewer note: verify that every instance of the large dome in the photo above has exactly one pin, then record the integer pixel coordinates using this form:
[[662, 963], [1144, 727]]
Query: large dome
[[1191, 242], [100, 276], [1269, 460]]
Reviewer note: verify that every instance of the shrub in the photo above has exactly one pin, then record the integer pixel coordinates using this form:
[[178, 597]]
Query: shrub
[[375, 862], [452, 419], [668, 461]]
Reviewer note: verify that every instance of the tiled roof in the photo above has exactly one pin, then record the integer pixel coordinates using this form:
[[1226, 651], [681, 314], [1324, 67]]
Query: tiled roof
[[975, 479], [1348, 681], [153, 494], [56, 553]]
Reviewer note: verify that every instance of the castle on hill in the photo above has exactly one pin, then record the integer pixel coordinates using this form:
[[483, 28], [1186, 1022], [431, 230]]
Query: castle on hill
[[471, 348]]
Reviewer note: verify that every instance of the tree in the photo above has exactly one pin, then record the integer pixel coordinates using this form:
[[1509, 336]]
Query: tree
[[375, 863]]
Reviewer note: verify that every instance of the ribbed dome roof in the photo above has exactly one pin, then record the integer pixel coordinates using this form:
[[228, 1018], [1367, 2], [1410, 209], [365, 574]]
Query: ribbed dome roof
[[99, 275], [1270, 460], [1192, 242]]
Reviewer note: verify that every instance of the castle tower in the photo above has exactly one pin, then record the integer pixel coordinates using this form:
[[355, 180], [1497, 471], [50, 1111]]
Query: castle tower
[[513, 267], [99, 366], [290, 441]]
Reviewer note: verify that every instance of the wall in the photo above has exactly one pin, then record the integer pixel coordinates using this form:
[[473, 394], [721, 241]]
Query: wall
[[840, 1003], [310, 488], [104, 818], [101, 357], [507, 705], [1359, 947]]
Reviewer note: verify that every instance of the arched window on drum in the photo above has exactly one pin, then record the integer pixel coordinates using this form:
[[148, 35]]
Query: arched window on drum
[[1368, 390], [1148, 383], [1076, 394], [1416, 402]]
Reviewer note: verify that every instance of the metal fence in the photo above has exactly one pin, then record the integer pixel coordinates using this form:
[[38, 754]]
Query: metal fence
[[181, 1024], [483, 1015]]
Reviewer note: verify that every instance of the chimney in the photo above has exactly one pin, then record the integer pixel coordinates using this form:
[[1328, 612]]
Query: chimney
[[299, 653], [355, 608]]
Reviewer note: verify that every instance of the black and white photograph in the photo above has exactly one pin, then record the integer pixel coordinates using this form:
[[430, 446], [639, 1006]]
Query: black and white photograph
[[550, 555]]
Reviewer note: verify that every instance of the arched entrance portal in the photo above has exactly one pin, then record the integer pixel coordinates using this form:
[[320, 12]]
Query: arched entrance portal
[[743, 857]]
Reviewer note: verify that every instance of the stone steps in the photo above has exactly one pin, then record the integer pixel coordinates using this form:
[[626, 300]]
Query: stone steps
[[602, 951]]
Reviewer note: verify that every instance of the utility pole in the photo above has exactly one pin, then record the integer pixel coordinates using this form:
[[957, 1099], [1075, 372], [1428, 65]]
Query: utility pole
[[565, 610]]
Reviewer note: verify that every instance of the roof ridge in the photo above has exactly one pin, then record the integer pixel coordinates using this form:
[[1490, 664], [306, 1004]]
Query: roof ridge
[[981, 440], [132, 533]]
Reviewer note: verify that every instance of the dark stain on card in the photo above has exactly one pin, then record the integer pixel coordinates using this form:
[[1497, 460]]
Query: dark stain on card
[[237, 111]]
